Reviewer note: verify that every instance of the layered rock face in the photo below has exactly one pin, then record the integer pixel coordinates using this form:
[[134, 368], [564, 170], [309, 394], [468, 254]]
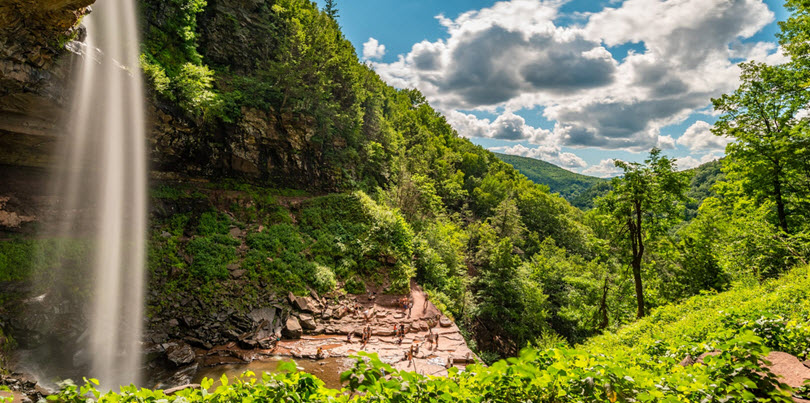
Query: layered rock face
[[34, 67], [40, 46]]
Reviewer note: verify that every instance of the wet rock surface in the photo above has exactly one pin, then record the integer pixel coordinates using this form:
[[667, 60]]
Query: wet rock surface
[[23, 388], [180, 353]]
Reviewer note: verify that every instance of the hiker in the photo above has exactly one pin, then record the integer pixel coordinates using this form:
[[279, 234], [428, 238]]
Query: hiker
[[396, 330], [449, 363], [319, 354], [410, 353], [416, 349], [402, 329], [410, 308]]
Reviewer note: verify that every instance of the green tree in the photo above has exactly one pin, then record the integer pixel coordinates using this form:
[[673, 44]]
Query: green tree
[[330, 8], [645, 202], [769, 157]]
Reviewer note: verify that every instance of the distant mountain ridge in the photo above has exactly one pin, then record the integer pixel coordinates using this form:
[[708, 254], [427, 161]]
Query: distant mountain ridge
[[570, 185], [581, 190]]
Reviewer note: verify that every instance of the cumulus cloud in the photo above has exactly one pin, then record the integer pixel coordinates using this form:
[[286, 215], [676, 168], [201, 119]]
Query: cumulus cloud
[[690, 162], [373, 49], [514, 55], [507, 126], [699, 138], [604, 169], [548, 154]]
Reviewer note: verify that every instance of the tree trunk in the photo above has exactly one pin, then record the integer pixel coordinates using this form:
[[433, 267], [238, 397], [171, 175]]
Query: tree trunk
[[603, 311], [637, 236], [780, 204]]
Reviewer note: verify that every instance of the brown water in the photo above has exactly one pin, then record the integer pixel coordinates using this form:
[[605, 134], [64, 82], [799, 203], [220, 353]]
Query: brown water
[[328, 370]]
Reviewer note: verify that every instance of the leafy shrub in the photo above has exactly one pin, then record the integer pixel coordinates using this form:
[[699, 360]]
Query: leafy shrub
[[355, 286], [324, 278], [213, 223], [212, 254]]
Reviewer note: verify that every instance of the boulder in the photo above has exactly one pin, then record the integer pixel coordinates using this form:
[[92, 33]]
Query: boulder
[[307, 321], [445, 322], [184, 375], [262, 314], [303, 304], [180, 353], [788, 368], [292, 328]]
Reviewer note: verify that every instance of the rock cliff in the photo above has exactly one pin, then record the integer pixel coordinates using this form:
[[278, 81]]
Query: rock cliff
[[40, 46]]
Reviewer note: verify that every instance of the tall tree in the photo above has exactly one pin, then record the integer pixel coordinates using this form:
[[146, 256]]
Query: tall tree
[[330, 8], [768, 157], [646, 201]]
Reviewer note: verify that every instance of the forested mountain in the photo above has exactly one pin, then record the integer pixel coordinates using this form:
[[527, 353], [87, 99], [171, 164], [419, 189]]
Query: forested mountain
[[582, 190], [569, 185], [289, 177]]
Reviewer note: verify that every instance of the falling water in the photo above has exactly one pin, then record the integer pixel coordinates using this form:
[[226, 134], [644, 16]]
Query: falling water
[[104, 170]]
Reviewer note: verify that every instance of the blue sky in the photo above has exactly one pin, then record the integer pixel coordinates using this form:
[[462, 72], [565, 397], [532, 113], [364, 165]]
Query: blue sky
[[577, 82]]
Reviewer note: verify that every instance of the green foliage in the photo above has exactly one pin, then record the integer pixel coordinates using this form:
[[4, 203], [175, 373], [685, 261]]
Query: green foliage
[[28, 259], [646, 201], [212, 223], [324, 278], [211, 255], [170, 59], [769, 158], [354, 285]]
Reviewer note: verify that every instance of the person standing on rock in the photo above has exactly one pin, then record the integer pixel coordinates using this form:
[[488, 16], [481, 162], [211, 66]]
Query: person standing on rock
[[402, 329], [410, 308]]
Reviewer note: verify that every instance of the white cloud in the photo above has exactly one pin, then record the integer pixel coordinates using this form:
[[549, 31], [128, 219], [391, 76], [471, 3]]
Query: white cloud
[[605, 169], [548, 154], [666, 142], [690, 162], [373, 49], [699, 138], [513, 56], [507, 126]]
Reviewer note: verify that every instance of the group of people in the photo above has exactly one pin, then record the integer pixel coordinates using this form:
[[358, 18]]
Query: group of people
[[413, 351]]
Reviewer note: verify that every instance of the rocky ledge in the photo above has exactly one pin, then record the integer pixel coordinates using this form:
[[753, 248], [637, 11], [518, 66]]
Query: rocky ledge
[[315, 328]]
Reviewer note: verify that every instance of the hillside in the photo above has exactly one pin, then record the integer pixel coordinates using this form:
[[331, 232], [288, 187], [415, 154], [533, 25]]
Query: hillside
[[581, 190], [569, 185]]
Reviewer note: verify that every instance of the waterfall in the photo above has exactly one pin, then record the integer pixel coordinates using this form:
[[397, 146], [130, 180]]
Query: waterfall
[[104, 169]]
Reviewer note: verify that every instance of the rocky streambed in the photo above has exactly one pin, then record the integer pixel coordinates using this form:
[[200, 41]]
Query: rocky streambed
[[315, 331]]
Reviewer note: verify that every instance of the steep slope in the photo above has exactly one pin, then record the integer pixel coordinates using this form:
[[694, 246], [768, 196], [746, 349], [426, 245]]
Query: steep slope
[[569, 185]]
